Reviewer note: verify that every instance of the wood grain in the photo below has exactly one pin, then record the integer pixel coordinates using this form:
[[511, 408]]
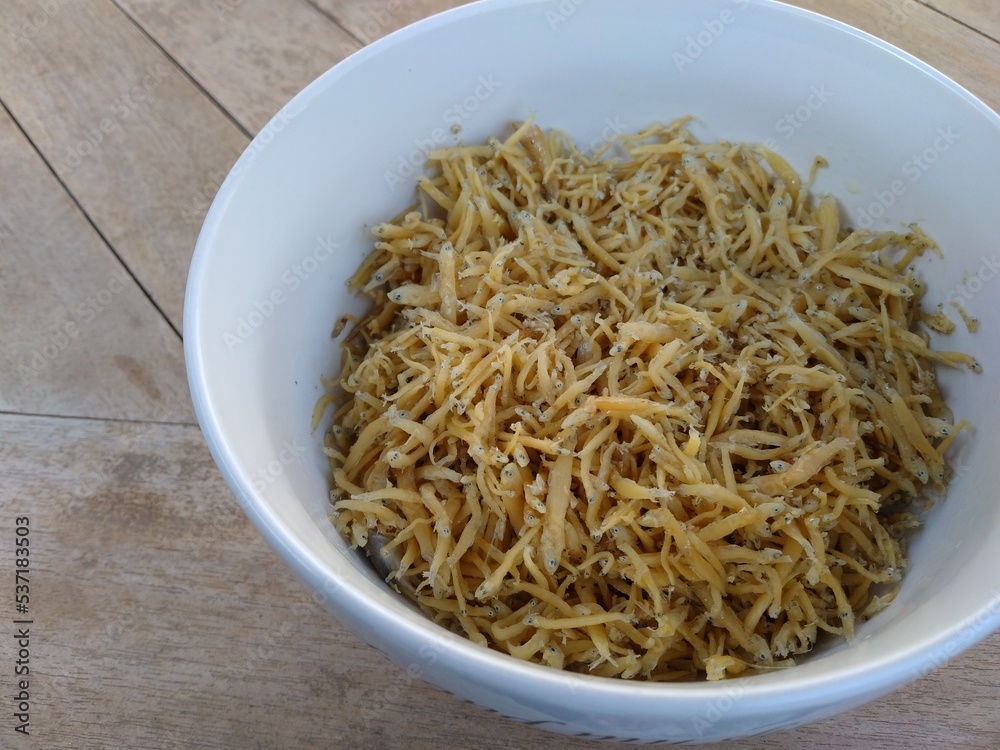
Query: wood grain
[[369, 21], [140, 146], [981, 15], [252, 55], [87, 342]]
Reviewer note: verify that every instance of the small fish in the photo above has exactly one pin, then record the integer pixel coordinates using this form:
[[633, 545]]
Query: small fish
[[386, 563]]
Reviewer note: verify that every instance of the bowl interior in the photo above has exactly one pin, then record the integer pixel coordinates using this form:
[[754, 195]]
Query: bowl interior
[[290, 225]]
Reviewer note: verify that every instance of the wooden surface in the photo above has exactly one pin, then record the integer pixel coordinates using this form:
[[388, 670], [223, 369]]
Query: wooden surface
[[160, 617]]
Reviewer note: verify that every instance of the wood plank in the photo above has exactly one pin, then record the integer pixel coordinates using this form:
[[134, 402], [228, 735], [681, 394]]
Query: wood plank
[[969, 58], [369, 21], [164, 621], [252, 56], [81, 337], [138, 144], [982, 15]]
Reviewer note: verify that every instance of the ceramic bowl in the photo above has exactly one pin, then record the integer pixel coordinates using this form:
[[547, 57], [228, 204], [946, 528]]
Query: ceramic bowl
[[290, 224]]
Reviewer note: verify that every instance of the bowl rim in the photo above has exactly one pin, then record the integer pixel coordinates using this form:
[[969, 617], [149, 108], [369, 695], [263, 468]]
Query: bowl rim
[[794, 687]]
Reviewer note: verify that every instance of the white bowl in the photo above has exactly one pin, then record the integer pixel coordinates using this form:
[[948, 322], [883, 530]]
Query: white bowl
[[289, 225]]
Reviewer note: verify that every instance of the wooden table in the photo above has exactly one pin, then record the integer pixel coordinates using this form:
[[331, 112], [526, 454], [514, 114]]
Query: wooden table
[[160, 619]]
